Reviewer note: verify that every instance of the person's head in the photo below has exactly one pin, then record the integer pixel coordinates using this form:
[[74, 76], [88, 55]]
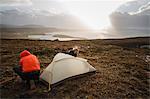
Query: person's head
[[76, 49], [73, 51], [24, 53]]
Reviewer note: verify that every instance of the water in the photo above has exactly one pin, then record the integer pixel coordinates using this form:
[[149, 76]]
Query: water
[[65, 36], [84, 35], [145, 46]]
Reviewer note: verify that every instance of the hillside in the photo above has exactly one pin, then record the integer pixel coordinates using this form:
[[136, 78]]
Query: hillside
[[122, 69]]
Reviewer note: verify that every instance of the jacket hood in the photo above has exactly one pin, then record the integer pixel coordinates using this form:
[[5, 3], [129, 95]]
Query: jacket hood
[[24, 53]]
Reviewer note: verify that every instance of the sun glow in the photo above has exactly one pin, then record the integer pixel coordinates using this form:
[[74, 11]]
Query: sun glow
[[94, 13]]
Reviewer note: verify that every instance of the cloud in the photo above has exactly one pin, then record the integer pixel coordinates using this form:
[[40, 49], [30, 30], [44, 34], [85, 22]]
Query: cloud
[[146, 6], [15, 2], [142, 8]]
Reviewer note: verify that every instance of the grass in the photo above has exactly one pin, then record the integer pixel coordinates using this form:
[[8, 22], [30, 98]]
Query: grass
[[122, 71]]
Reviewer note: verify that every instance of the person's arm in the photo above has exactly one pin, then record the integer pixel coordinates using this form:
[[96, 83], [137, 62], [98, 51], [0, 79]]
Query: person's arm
[[20, 63]]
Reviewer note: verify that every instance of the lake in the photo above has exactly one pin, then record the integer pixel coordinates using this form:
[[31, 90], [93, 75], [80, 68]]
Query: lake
[[84, 35]]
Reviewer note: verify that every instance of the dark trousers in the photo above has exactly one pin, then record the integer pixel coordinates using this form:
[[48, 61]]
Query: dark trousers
[[34, 75], [27, 76]]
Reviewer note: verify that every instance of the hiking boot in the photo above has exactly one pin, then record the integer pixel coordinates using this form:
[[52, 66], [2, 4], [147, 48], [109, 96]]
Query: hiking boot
[[32, 85], [18, 79]]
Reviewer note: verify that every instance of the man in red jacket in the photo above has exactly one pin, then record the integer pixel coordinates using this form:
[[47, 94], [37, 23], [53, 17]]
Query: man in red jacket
[[29, 68]]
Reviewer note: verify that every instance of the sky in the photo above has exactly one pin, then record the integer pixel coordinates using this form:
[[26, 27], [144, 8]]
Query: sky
[[95, 13]]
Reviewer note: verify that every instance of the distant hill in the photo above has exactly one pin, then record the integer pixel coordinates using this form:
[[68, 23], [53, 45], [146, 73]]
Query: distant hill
[[32, 26], [8, 26], [33, 29], [24, 26]]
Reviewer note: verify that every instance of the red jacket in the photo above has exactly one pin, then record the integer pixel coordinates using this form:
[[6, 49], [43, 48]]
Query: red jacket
[[29, 62]]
